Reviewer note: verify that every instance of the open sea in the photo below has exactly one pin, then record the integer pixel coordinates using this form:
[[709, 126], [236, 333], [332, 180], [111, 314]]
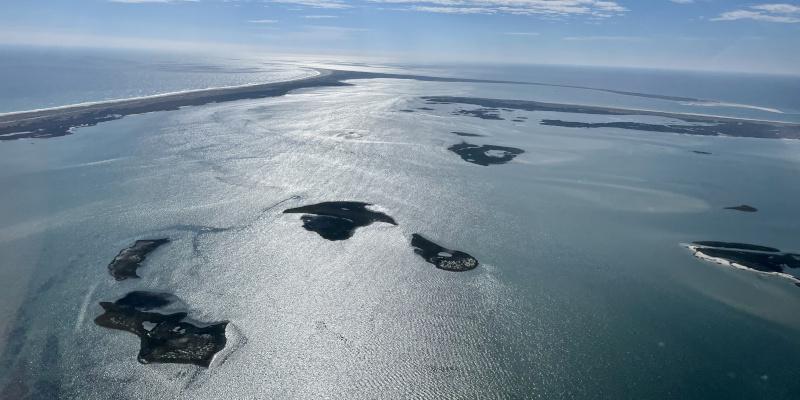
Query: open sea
[[585, 288]]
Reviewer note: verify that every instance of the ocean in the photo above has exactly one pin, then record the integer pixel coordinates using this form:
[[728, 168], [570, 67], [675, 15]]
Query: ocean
[[585, 287], [34, 78]]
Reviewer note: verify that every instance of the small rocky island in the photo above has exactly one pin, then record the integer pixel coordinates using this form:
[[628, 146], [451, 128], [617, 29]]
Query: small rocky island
[[466, 134], [486, 154], [762, 259], [165, 336], [482, 113], [442, 258], [743, 208], [338, 220], [128, 260]]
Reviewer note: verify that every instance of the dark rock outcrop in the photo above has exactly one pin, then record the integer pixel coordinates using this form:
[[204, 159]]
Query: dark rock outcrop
[[338, 220], [128, 260], [164, 337], [486, 154], [442, 258]]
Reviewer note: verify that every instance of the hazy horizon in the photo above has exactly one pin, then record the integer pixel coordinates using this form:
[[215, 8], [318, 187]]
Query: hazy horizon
[[753, 37]]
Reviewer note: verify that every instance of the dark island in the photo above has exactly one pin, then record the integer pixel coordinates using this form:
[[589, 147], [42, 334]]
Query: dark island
[[442, 258], [482, 113], [338, 220], [465, 134], [164, 337], [762, 259], [733, 245], [485, 154], [743, 208], [125, 264]]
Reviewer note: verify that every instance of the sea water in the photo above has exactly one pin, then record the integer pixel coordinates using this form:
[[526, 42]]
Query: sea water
[[584, 289], [34, 78]]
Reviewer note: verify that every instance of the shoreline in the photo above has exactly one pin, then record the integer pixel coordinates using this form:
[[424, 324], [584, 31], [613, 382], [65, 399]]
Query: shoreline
[[317, 73], [62, 120], [59, 121], [720, 126]]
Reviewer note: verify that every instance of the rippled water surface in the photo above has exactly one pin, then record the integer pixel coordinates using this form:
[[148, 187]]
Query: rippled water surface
[[583, 289]]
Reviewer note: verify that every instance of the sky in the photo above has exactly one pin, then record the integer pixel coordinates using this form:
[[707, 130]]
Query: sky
[[720, 35]]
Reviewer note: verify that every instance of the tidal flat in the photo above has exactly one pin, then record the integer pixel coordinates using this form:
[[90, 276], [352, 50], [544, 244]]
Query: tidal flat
[[695, 124]]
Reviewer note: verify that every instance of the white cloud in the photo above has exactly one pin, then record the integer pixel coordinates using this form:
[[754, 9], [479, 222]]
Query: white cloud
[[320, 16], [778, 8], [329, 4], [341, 29], [773, 12], [682, 1], [454, 10], [552, 8], [604, 38], [152, 1]]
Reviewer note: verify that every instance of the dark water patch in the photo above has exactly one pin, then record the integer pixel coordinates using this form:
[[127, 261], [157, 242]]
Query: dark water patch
[[442, 258], [16, 340], [48, 384], [518, 120], [756, 258], [338, 220], [128, 260], [701, 152], [465, 134], [16, 387], [407, 111], [482, 113], [164, 337], [425, 109], [743, 208], [486, 154], [713, 126]]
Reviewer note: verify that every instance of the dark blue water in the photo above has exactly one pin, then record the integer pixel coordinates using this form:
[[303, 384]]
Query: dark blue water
[[32, 78]]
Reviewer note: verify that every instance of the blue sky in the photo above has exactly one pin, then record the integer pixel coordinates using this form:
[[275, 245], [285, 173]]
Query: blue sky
[[685, 34]]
